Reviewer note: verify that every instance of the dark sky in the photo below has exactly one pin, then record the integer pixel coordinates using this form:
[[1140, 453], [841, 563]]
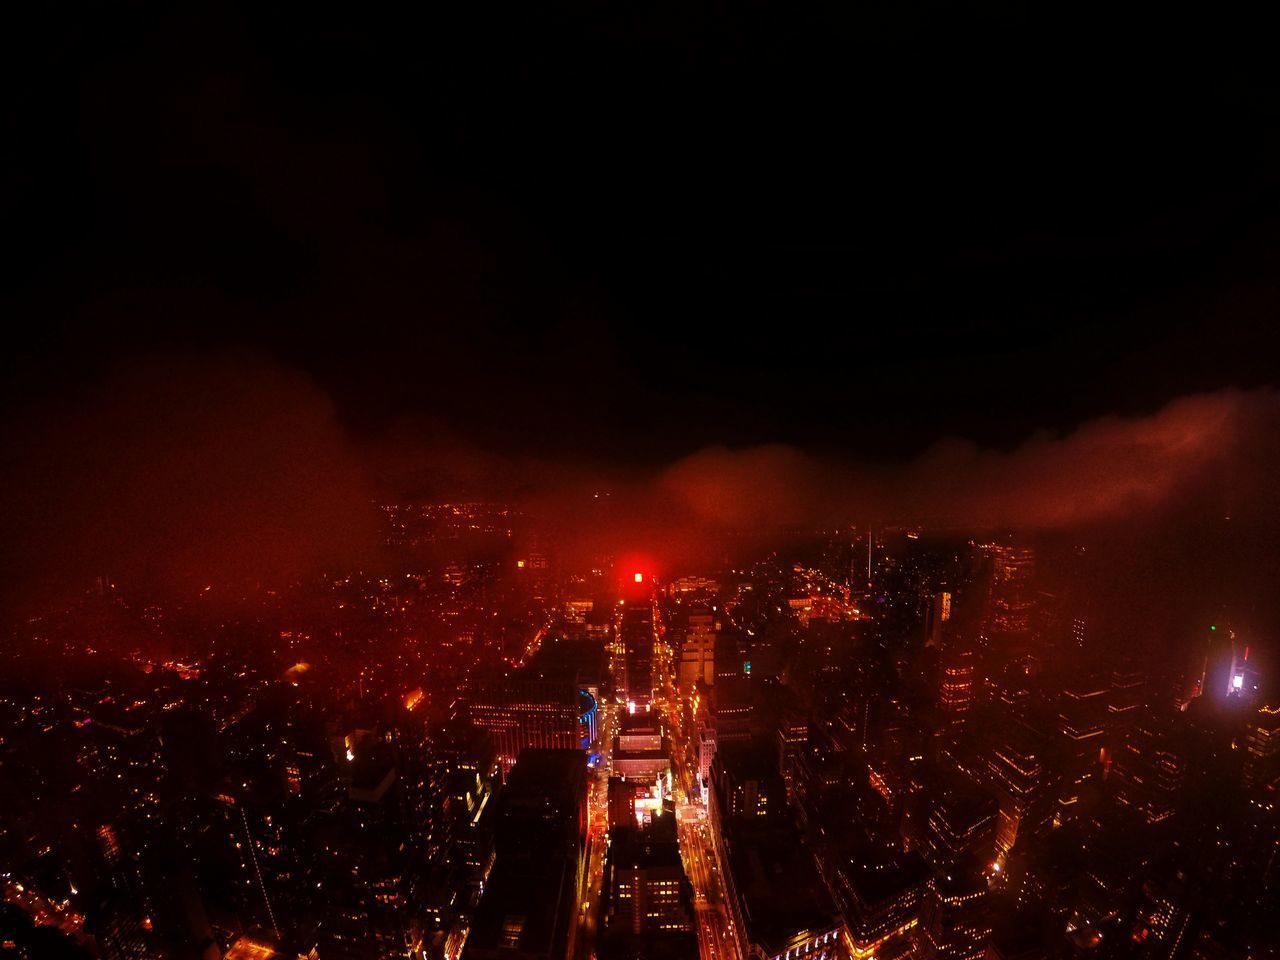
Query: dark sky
[[623, 232]]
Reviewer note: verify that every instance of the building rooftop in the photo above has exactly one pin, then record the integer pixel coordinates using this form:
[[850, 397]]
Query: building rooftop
[[519, 914], [655, 845], [780, 890]]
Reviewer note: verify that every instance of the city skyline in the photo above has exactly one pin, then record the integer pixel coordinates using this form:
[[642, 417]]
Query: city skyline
[[668, 481]]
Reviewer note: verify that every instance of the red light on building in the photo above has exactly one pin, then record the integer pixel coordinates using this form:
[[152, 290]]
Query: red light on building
[[639, 578]]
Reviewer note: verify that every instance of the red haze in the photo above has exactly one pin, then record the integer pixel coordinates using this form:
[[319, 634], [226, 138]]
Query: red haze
[[180, 472], [1106, 469]]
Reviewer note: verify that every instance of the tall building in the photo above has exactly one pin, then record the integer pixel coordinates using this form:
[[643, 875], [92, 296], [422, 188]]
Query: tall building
[[747, 784], [1012, 570], [956, 682], [733, 704], [1082, 716], [1262, 746], [1125, 701], [1007, 622], [955, 917], [623, 799], [880, 893], [1148, 769], [961, 826], [707, 745], [529, 907], [937, 613], [646, 890], [462, 770], [779, 906], [535, 714], [1016, 771], [637, 638], [365, 871], [793, 735], [698, 652]]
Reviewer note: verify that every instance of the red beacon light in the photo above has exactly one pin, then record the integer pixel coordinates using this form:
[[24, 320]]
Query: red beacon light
[[639, 578]]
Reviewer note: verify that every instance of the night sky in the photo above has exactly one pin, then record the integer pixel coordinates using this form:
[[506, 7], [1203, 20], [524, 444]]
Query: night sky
[[551, 228], [744, 268]]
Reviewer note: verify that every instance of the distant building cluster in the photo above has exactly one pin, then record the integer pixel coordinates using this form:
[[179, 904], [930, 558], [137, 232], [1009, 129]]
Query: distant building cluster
[[885, 744]]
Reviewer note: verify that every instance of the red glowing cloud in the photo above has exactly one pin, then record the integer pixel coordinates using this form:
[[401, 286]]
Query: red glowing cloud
[[180, 473], [1105, 469]]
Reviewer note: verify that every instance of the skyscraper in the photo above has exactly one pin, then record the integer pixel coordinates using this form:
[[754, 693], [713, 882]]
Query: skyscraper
[[956, 682], [648, 894], [529, 904], [697, 653], [637, 637], [543, 714], [955, 921], [1006, 623], [1148, 768]]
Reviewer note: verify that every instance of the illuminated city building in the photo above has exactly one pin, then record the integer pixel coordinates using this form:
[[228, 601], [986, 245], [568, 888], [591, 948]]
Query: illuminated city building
[[462, 774], [793, 735], [707, 744], [732, 700], [530, 902], [1148, 769], [641, 752], [880, 894], [1126, 699], [956, 682], [1262, 746], [577, 611], [646, 890], [1082, 715], [1226, 671], [636, 634], [937, 613], [779, 904], [622, 799], [588, 716], [697, 652], [961, 825], [1243, 678], [955, 920], [539, 714], [1163, 918], [1017, 774], [365, 841], [1006, 630], [693, 586], [1010, 604], [747, 783]]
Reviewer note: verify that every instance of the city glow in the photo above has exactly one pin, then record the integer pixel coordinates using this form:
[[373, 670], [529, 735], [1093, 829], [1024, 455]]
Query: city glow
[[641, 483]]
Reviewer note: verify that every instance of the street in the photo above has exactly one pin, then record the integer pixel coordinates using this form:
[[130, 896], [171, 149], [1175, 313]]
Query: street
[[697, 849]]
